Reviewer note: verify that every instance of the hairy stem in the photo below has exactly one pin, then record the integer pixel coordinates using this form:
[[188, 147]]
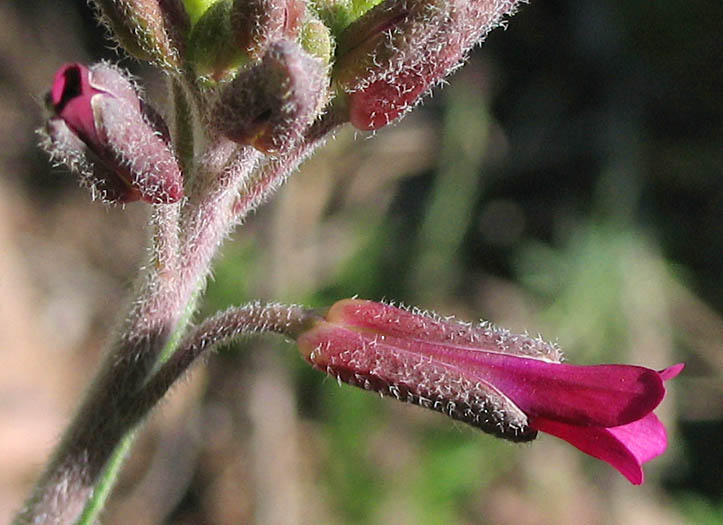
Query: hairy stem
[[206, 221], [274, 173], [222, 328], [100, 494], [97, 427], [183, 124]]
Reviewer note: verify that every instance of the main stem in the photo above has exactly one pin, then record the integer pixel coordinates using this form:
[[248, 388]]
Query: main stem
[[99, 424]]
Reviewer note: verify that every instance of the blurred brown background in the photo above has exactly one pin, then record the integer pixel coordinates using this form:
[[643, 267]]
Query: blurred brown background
[[566, 182]]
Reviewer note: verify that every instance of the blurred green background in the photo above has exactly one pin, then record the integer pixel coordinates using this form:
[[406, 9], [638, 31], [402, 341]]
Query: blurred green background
[[566, 182]]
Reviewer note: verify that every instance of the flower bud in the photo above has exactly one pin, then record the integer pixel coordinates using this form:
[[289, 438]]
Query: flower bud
[[387, 99], [270, 104], [359, 7], [152, 30], [101, 129], [196, 8], [338, 14], [387, 37], [211, 48], [258, 23], [315, 38], [394, 84], [66, 148]]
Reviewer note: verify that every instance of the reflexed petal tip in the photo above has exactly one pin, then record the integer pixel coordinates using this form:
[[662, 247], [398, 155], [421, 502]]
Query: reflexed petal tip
[[508, 385], [625, 447]]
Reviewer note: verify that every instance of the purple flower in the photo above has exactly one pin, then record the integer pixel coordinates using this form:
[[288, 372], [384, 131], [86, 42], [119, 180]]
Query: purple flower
[[101, 128], [508, 385]]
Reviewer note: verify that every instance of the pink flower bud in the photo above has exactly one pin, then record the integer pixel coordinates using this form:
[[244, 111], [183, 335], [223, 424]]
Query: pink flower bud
[[101, 128], [385, 100], [270, 104], [409, 47], [381, 42], [508, 385]]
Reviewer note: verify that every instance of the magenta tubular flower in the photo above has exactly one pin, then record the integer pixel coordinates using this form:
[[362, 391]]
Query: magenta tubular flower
[[101, 128], [508, 385]]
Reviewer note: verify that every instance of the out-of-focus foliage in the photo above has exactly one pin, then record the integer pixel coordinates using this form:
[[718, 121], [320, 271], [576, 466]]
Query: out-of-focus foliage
[[567, 182]]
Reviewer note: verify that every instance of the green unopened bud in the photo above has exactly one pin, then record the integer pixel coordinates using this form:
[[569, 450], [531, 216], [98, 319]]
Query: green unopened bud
[[212, 49], [196, 8], [338, 14], [151, 30], [271, 104], [359, 7], [316, 39]]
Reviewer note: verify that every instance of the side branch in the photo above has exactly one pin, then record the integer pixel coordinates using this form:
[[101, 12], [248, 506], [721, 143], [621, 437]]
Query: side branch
[[223, 328]]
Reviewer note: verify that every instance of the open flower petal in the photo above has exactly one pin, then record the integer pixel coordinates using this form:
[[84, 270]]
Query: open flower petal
[[601, 395], [625, 448]]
